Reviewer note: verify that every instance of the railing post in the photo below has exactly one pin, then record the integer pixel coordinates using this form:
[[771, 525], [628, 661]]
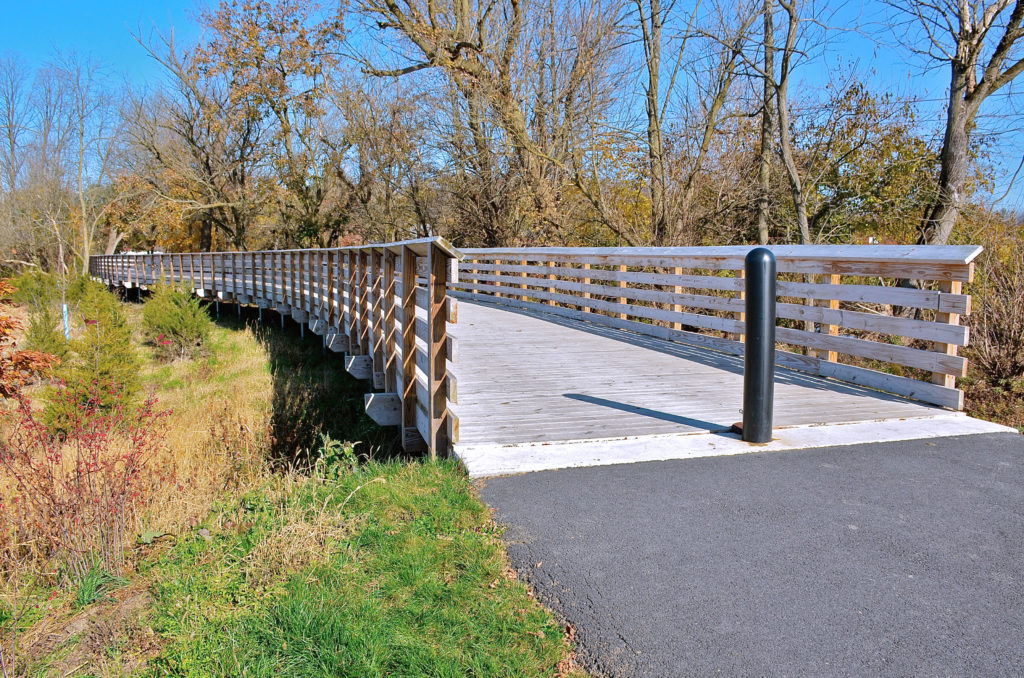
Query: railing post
[[364, 303], [377, 329], [759, 346], [412, 441], [352, 302], [390, 334], [437, 349], [949, 287]]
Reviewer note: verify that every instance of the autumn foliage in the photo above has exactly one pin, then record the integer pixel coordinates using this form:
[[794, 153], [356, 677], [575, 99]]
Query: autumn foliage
[[17, 368]]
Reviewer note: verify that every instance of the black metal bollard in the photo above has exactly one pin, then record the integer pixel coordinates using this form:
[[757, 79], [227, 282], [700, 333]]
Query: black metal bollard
[[759, 347]]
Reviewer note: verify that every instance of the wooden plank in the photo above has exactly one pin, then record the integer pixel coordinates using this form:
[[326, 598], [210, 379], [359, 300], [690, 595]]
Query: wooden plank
[[945, 254], [622, 285], [855, 320], [586, 283], [676, 307], [377, 315], [551, 277], [363, 293], [359, 366], [384, 408], [437, 285], [410, 442], [390, 330], [523, 286], [586, 273], [900, 355], [352, 306], [951, 320]]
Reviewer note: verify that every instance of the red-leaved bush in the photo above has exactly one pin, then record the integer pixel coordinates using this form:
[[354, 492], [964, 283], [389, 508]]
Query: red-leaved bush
[[73, 495]]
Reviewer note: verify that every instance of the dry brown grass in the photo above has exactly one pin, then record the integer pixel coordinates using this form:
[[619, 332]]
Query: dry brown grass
[[303, 535], [218, 429]]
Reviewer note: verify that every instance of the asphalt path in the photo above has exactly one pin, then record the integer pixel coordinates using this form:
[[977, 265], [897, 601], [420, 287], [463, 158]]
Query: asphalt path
[[895, 559]]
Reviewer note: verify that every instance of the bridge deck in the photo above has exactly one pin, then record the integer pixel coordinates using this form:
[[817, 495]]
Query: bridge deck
[[525, 377]]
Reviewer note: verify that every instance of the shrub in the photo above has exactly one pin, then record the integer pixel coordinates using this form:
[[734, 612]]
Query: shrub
[[77, 493], [37, 290], [176, 322], [45, 334], [997, 325], [102, 354]]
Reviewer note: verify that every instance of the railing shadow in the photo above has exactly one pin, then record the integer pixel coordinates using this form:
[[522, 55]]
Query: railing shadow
[[313, 394], [646, 412]]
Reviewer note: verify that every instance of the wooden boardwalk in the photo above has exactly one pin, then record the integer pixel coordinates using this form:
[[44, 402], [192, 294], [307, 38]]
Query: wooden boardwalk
[[530, 377], [562, 356]]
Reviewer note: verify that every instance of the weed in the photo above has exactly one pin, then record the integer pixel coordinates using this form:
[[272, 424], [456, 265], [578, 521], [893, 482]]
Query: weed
[[335, 457], [95, 585]]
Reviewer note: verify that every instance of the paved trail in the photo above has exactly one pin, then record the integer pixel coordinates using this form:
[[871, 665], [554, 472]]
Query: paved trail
[[888, 559]]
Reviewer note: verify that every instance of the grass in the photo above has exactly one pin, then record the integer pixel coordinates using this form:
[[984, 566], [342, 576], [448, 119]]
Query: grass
[[95, 586], [407, 578], [257, 561]]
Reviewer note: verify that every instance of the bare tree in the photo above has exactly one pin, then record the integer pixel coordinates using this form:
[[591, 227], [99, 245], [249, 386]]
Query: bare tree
[[982, 43]]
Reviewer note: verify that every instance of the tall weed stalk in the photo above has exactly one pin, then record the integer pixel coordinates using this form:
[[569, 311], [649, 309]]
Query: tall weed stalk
[[77, 491]]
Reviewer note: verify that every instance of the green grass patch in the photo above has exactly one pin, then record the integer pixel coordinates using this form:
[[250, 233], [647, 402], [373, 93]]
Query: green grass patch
[[409, 580]]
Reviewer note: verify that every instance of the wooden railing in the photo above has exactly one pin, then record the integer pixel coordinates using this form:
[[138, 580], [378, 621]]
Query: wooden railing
[[357, 298], [832, 302]]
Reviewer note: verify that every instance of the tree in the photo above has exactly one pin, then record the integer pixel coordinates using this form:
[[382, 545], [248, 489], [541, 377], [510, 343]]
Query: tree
[[982, 44], [282, 56], [201, 146]]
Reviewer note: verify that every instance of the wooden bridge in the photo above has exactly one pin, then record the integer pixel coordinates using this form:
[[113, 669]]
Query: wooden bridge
[[531, 357]]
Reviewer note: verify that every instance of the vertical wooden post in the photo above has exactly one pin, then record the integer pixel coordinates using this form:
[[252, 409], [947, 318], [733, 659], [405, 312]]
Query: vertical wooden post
[[832, 330], [474, 272], [352, 302], [551, 290], [677, 271], [622, 284], [377, 315], [264, 293], [334, 283], [390, 331], [364, 306], [950, 287], [437, 350], [296, 282], [586, 281], [741, 295], [161, 269], [301, 276], [412, 441]]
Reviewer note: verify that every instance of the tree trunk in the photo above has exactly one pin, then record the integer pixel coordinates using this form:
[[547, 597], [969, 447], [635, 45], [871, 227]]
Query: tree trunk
[[765, 160], [942, 214], [655, 144]]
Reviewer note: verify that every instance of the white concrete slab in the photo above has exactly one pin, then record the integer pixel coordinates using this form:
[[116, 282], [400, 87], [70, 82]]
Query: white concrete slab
[[482, 460]]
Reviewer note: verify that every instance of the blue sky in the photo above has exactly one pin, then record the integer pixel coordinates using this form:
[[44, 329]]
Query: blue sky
[[34, 31]]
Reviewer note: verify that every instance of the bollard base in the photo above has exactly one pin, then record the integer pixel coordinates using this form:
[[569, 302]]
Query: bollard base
[[737, 428]]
